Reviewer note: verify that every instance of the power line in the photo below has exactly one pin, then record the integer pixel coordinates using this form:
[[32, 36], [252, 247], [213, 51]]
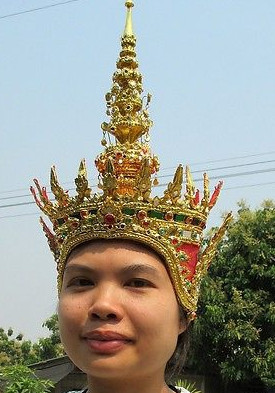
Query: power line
[[161, 176], [224, 167], [227, 159], [37, 9], [249, 185], [226, 188], [237, 174]]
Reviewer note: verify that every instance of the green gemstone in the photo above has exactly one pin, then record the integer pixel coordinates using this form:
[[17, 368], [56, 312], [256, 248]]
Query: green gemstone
[[182, 257], [128, 211], [179, 217], [156, 214], [162, 231]]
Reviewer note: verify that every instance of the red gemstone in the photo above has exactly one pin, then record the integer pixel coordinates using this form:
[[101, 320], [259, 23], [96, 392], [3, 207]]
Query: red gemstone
[[75, 224], [188, 220], [169, 216], [141, 215], [84, 213], [146, 223], [175, 241], [109, 219]]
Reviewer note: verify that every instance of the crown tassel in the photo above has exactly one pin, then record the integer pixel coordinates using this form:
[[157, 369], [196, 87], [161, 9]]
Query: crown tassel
[[50, 237], [173, 192], [193, 196], [144, 183], [44, 204], [82, 185], [61, 196]]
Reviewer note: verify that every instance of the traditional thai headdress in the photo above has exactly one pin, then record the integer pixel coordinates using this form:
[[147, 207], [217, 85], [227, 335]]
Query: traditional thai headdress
[[171, 224]]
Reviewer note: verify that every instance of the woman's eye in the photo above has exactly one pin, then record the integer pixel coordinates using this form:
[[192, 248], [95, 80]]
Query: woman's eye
[[80, 282], [138, 283]]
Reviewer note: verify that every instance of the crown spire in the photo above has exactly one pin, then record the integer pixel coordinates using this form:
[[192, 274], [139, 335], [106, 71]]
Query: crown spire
[[129, 22], [129, 119]]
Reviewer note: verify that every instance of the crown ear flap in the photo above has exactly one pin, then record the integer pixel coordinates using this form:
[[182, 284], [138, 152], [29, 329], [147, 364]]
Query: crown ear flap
[[210, 250], [61, 196]]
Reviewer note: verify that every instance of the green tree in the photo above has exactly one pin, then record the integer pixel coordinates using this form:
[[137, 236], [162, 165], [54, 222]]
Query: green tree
[[20, 379], [14, 349], [49, 347], [234, 335]]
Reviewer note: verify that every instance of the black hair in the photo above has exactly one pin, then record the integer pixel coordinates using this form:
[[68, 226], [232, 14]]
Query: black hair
[[175, 365]]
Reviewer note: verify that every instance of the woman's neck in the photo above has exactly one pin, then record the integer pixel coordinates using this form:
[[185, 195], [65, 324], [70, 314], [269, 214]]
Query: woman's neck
[[131, 385]]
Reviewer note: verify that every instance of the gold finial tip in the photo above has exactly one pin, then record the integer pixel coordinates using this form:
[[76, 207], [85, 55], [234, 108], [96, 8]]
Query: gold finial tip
[[129, 4]]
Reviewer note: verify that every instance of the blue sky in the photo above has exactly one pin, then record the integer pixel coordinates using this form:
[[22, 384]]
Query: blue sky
[[210, 68]]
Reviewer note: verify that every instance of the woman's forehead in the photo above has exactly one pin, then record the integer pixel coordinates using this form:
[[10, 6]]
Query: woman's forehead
[[118, 245]]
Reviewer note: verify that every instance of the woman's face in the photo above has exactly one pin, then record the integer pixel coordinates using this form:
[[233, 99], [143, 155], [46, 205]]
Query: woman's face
[[118, 312]]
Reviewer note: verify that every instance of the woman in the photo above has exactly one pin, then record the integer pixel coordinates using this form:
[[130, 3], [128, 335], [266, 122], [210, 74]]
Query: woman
[[129, 264], [119, 316]]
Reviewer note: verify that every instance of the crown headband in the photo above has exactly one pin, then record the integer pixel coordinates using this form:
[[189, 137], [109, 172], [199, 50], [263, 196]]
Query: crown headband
[[171, 224]]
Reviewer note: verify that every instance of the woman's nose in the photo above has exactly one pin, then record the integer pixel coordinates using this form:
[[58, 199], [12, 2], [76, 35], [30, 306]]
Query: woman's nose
[[105, 304]]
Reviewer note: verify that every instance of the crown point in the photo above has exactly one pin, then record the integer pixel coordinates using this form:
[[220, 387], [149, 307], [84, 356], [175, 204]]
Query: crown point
[[128, 31], [129, 4]]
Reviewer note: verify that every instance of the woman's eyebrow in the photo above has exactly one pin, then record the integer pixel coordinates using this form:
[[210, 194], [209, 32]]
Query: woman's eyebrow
[[78, 268], [139, 268]]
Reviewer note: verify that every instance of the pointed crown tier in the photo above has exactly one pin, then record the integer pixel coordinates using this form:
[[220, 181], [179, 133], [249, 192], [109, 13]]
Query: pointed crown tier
[[171, 224]]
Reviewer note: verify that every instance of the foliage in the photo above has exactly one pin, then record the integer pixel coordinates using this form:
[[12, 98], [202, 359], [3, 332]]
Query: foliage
[[187, 385], [20, 379], [49, 347], [234, 335], [15, 350]]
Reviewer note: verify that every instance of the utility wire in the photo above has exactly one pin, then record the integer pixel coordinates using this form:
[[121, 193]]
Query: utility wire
[[223, 167], [37, 9], [226, 188], [159, 177], [228, 175], [226, 159], [238, 174], [171, 168]]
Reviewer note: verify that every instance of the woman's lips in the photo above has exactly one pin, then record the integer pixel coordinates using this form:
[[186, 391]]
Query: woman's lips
[[106, 342], [106, 346]]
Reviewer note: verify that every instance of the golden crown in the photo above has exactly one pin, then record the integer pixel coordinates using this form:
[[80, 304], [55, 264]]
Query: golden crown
[[171, 224]]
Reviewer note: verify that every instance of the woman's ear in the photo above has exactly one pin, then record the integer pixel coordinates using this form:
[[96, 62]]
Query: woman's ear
[[182, 325], [183, 321]]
